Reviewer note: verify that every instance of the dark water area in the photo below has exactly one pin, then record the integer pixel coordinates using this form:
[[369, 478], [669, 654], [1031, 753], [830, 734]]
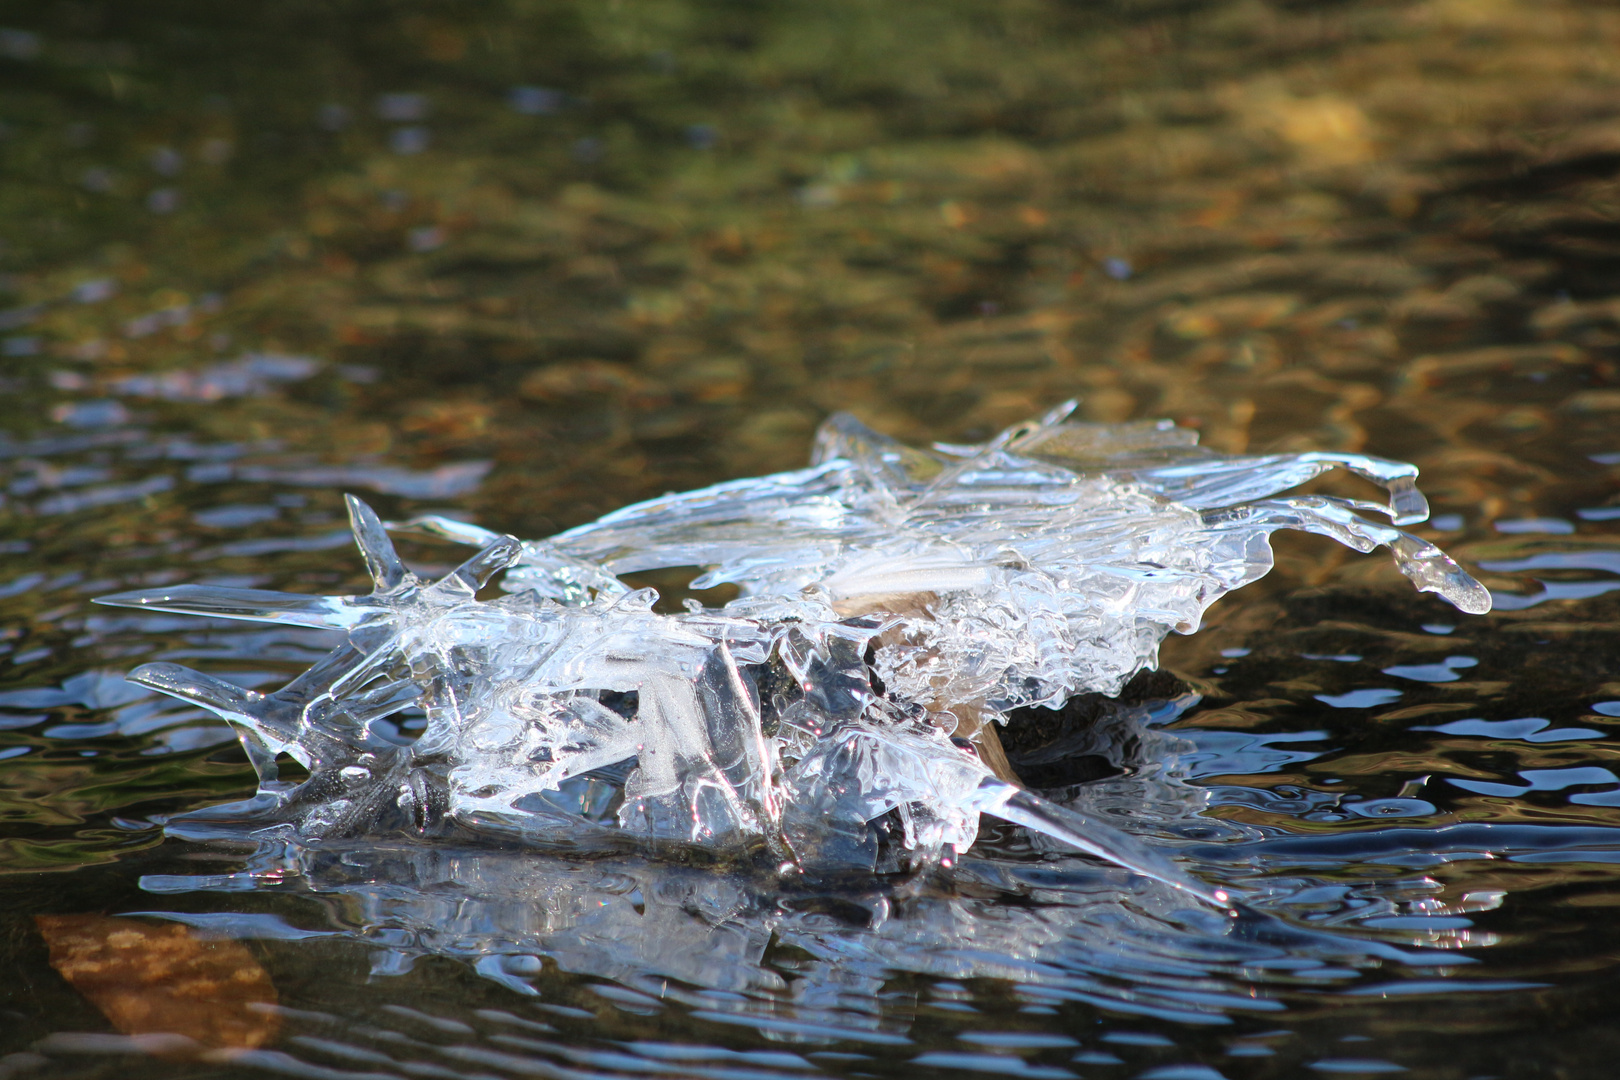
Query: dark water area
[[525, 262]]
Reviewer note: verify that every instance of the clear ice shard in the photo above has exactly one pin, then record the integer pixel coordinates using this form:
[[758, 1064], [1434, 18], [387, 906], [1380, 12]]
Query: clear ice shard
[[895, 605]]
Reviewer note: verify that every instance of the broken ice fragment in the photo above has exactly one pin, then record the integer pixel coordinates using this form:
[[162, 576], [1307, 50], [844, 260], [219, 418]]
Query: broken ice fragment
[[896, 603]]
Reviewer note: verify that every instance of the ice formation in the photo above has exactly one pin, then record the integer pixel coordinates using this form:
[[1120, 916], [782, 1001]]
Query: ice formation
[[895, 604]]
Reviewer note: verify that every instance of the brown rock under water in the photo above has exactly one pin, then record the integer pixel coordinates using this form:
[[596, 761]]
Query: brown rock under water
[[151, 978]]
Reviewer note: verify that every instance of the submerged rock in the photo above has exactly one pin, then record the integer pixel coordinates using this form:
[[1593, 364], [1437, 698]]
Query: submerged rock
[[895, 604]]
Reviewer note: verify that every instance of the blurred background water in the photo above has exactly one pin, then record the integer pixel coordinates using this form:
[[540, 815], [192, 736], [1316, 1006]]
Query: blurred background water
[[524, 261]]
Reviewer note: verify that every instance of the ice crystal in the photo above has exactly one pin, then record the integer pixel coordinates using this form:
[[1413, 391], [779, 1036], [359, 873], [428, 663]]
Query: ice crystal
[[895, 604]]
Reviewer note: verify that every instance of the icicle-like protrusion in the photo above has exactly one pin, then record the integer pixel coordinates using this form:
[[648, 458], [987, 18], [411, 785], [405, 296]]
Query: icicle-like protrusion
[[1429, 568], [257, 605], [545, 571], [262, 737], [443, 528], [1014, 804], [475, 573], [388, 573]]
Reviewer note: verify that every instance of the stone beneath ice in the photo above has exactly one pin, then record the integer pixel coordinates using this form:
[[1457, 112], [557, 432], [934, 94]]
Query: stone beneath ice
[[895, 605]]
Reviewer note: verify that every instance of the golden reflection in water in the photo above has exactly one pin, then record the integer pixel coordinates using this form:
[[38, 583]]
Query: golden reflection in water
[[1291, 228]]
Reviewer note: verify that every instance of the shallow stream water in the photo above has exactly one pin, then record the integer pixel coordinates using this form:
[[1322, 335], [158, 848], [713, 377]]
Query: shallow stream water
[[525, 262]]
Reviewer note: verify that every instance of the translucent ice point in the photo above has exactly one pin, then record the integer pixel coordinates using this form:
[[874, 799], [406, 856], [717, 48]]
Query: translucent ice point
[[896, 603]]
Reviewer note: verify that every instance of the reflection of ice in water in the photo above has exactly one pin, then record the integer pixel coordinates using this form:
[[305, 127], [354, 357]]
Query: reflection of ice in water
[[1079, 933], [812, 960], [895, 605], [805, 958]]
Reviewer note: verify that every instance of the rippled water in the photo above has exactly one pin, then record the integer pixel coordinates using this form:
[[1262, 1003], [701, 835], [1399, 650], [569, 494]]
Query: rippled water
[[527, 262]]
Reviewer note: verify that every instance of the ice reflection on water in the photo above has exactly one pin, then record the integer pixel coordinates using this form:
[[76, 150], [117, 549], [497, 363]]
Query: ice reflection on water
[[809, 963], [814, 964]]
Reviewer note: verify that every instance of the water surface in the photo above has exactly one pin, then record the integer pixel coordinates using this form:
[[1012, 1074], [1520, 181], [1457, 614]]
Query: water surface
[[527, 262]]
